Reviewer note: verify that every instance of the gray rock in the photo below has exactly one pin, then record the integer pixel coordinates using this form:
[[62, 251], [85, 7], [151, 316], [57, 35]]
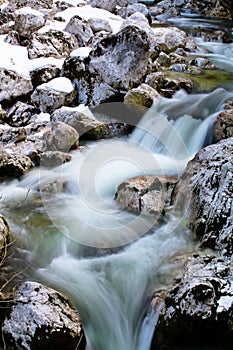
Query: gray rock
[[118, 63], [11, 135], [133, 8], [198, 309], [28, 20], [108, 5], [143, 95], [53, 43], [54, 158], [206, 190], [54, 94], [169, 39], [99, 24], [44, 74], [13, 85], [61, 137], [41, 318], [13, 163], [147, 194], [3, 115], [20, 114], [223, 126], [81, 29], [4, 237]]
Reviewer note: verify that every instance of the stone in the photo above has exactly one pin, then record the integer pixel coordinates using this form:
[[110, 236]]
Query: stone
[[3, 115], [20, 114], [108, 5], [13, 163], [13, 86], [198, 308], [99, 24], [118, 63], [4, 237], [223, 125], [28, 21], [54, 158], [81, 29], [11, 135], [54, 94], [44, 74], [147, 194], [53, 43], [132, 9], [169, 39], [61, 137], [143, 95], [41, 318], [204, 194]]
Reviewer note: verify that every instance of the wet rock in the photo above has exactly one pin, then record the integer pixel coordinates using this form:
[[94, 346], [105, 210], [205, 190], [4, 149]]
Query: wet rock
[[81, 29], [41, 318], [169, 39], [53, 43], [118, 63], [198, 309], [206, 190], [54, 94], [143, 95], [13, 85], [44, 74], [223, 126], [4, 237], [148, 194], [20, 114], [13, 163], [28, 20], [54, 158], [61, 137], [99, 24]]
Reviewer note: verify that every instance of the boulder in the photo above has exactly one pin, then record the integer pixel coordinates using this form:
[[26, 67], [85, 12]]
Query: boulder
[[118, 63], [13, 163], [54, 94], [99, 24], [41, 318], [223, 126], [13, 86], [28, 20], [143, 95], [81, 29], [3, 115], [169, 39], [205, 193], [10, 135], [198, 309], [20, 114], [4, 237], [61, 137], [147, 194], [44, 74], [53, 43], [54, 158], [108, 5]]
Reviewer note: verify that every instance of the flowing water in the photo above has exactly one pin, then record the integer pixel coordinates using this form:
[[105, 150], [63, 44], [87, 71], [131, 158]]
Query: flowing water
[[78, 240]]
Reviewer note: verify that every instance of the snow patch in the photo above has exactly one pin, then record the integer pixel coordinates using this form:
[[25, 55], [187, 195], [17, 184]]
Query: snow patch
[[59, 84], [81, 52], [28, 10]]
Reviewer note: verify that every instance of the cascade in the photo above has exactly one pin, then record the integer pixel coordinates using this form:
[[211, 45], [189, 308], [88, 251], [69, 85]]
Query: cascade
[[107, 260]]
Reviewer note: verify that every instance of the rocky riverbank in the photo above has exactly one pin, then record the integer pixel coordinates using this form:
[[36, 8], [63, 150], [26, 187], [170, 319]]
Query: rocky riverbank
[[60, 60]]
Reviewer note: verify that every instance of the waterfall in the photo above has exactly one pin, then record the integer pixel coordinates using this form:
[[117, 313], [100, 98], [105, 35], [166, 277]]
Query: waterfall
[[107, 260]]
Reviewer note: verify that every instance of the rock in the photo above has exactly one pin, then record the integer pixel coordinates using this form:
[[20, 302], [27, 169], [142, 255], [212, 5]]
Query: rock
[[163, 59], [132, 9], [81, 29], [41, 318], [28, 20], [3, 115], [13, 86], [169, 39], [118, 63], [44, 74], [54, 94], [108, 5], [53, 43], [20, 114], [61, 137], [13, 163], [54, 158], [12, 38], [147, 194], [223, 126], [143, 95], [4, 237], [206, 190], [198, 309], [9, 135], [99, 24]]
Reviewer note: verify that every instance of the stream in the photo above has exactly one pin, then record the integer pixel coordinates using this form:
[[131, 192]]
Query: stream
[[79, 241]]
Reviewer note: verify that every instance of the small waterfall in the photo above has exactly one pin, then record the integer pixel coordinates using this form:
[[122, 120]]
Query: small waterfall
[[112, 292]]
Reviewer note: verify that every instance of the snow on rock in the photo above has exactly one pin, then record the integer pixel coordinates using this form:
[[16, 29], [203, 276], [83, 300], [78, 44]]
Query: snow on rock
[[81, 52], [54, 94]]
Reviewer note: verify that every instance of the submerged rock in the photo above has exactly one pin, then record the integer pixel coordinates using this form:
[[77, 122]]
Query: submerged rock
[[198, 309], [148, 194], [206, 190], [41, 318]]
